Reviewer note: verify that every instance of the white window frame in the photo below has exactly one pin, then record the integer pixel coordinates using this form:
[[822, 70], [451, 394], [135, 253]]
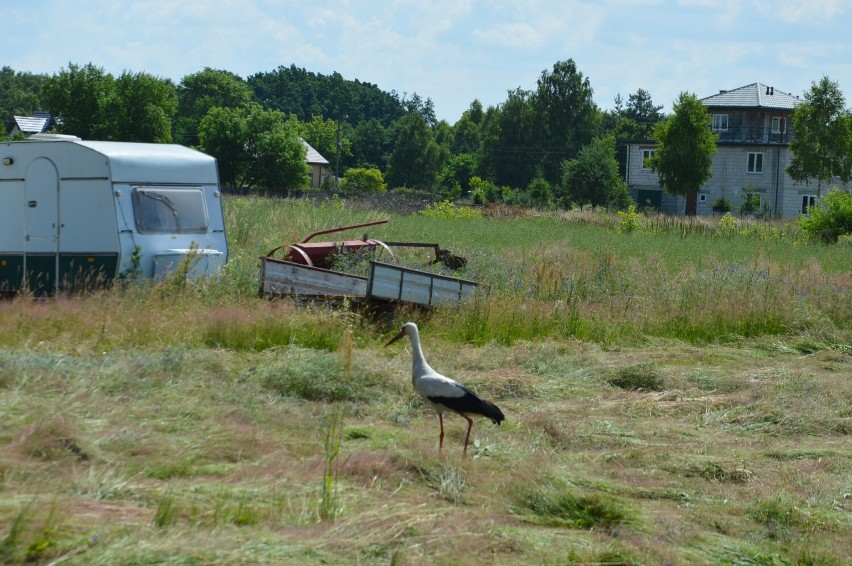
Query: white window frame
[[807, 202], [720, 123], [754, 163], [646, 154], [702, 197], [776, 124]]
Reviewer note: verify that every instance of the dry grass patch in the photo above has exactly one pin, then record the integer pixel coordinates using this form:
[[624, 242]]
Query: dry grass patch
[[50, 440]]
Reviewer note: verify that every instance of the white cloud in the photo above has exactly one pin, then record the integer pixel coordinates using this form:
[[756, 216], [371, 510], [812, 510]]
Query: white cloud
[[520, 35], [807, 11]]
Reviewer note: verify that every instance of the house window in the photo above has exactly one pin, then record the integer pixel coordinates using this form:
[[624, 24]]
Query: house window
[[776, 125], [646, 155], [702, 197], [720, 122], [755, 163], [807, 202]]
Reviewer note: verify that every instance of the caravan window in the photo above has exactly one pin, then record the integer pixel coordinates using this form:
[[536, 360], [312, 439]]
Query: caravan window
[[169, 210]]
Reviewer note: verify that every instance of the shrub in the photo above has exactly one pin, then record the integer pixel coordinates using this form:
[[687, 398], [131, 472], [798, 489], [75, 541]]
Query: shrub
[[630, 220], [728, 223], [447, 210], [540, 193], [483, 191], [721, 206], [751, 203], [830, 219], [363, 181]]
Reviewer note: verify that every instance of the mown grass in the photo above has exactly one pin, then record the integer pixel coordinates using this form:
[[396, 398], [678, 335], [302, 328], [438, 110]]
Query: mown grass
[[673, 395]]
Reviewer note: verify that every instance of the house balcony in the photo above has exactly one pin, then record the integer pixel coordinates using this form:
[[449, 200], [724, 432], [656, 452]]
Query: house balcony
[[754, 135]]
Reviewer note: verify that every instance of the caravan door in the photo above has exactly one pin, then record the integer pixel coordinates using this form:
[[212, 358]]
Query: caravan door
[[41, 226]]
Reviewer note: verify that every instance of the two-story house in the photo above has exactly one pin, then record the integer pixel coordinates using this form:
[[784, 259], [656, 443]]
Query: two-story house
[[755, 127]]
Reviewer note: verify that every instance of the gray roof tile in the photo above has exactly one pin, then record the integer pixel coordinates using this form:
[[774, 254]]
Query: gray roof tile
[[33, 124], [755, 95], [314, 157]]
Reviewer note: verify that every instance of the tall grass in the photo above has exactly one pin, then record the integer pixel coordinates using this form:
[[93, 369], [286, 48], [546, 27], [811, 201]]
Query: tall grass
[[602, 297], [543, 277]]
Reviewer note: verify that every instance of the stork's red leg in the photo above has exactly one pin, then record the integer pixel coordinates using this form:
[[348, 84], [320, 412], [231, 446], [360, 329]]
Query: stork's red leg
[[441, 444], [469, 427]]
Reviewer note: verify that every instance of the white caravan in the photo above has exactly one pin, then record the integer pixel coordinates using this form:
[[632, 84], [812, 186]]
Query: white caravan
[[76, 214]]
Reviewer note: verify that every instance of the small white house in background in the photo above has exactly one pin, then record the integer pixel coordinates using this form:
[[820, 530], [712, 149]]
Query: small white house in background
[[318, 164], [75, 213], [755, 127]]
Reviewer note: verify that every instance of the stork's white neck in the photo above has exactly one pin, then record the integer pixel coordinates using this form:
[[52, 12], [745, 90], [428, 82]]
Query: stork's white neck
[[419, 365]]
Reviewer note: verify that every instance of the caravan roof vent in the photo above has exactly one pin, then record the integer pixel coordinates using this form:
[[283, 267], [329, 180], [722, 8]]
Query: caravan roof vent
[[54, 137]]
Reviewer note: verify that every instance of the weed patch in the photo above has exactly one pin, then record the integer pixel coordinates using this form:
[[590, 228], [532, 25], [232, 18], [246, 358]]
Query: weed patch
[[640, 377], [317, 376], [553, 503]]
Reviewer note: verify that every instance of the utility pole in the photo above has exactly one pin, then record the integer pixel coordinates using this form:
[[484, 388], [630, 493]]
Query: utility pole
[[337, 164]]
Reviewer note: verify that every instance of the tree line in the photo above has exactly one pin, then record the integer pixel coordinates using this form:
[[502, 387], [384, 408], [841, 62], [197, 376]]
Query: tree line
[[523, 150], [547, 146]]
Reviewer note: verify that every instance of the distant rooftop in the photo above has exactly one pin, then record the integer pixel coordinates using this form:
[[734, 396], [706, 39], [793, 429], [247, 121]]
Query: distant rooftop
[[755, 95], [314, 157], [38, 123]]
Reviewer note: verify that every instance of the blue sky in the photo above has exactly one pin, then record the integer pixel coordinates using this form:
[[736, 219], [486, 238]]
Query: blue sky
[[452, 51]]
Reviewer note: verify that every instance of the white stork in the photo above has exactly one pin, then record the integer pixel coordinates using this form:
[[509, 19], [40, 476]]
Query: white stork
[[443, 393]]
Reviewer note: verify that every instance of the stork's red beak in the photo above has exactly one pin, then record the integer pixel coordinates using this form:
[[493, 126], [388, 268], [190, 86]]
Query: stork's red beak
[[399, 335]]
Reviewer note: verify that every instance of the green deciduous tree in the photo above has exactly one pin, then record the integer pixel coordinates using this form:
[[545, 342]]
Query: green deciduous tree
[[370, 144], [294, 90], [222, 133], [507, 153], [454, 178], [141, 109], [592, 178], [79, 98], [255, 148], [20, 95], [566, 116], [278, 160], [201, 91], [416, 158], [822, 147], [465, 138], [88, 102], [685, 148]]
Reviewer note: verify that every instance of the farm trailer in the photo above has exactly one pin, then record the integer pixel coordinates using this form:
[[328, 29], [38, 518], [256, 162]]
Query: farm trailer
[[76, 213], [385, 283], [303, 272]]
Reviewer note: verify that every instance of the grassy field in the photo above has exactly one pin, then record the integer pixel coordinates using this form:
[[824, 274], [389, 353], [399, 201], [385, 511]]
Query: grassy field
[[678, 394]]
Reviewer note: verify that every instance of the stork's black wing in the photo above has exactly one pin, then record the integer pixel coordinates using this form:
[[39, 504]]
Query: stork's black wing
[[470, 404]]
